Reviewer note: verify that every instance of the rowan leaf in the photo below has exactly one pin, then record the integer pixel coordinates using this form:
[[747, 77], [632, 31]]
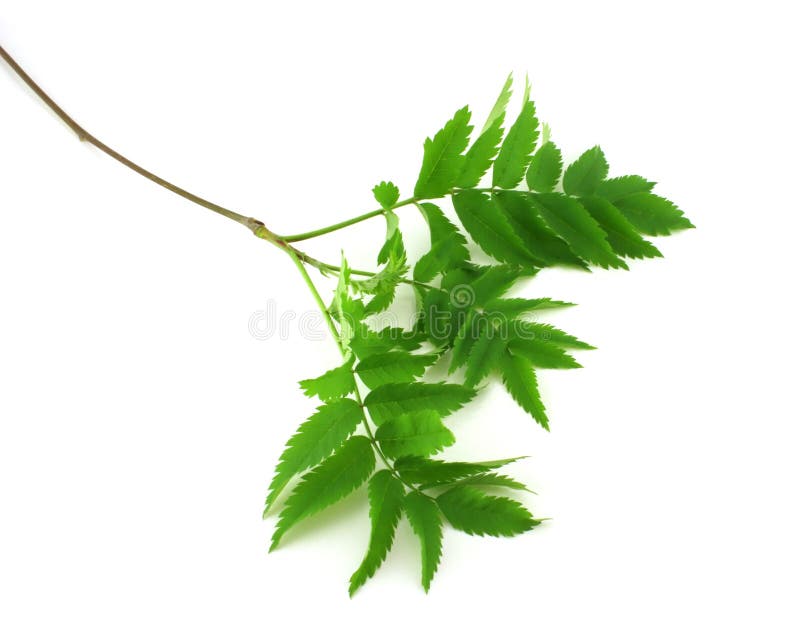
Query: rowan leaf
[[544, 170], [386, 193], [489, 228], [394, 399], [621, 235], [394, 366], [474, 512], [335, 478], [426, 522], [464, 340], [520, 381], [652, 215], [448, 245], [317, 437], [442, 159], [543, 354], [494, 480], [512, 307], [484, 354], [619, 187], [570, 220], [584, 175], [540, 241], [500, 105], [386, 497], [549, 333], [479, 157], [334, 383], [419, 433], [429, 473], [515, 152]]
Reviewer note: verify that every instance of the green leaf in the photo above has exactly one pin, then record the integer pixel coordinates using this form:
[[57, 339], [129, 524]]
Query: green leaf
[[499, 108], [414, 434], [584, 175], [343, 306], [429, 473], [394, 399], [465, 340], [621, 235], [619, 187], [492, 281], [544, 170], [494, 480], [512, 161], [386, 495], [542, 244], [397, 366], [448, 245], [652, 215], [366, 342], [570, 220], [543, 354], [474, 512], [514, 307], [426, 522], [549, 333], [333, 384], [489, 228], [442, 160], [335, 478], [386, 193], [436, 320], [479, 157], [520, 381], [316, 438], [484, 354]]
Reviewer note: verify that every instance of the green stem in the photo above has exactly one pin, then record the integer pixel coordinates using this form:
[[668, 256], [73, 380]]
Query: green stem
[[352, 221], [298, 261]]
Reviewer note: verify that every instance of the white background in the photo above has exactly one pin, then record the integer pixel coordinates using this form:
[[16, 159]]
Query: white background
[[140, 420]]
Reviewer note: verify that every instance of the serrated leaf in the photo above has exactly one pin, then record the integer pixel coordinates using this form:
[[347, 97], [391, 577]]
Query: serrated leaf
[[426, 522], [366, 342], [386, 193], [621, 235], [500, 104], [513, 307], [520, 381], [464, 340], [544, 170], [484, 354], [492, 281], [549, 333], [448, 245], [540, 241], [420, 433], [342, 307], [334, 383], [489, 228], [584, 175], [543, 354], [619, 187], [396, 366], [442, 159], [570, 220], [316, 438], [435, 319], [494, 480], [652, 215], [386, 496], [429, 473], [394, 399], [474, 512], [335, 478], [515, 152], [479, 157]]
